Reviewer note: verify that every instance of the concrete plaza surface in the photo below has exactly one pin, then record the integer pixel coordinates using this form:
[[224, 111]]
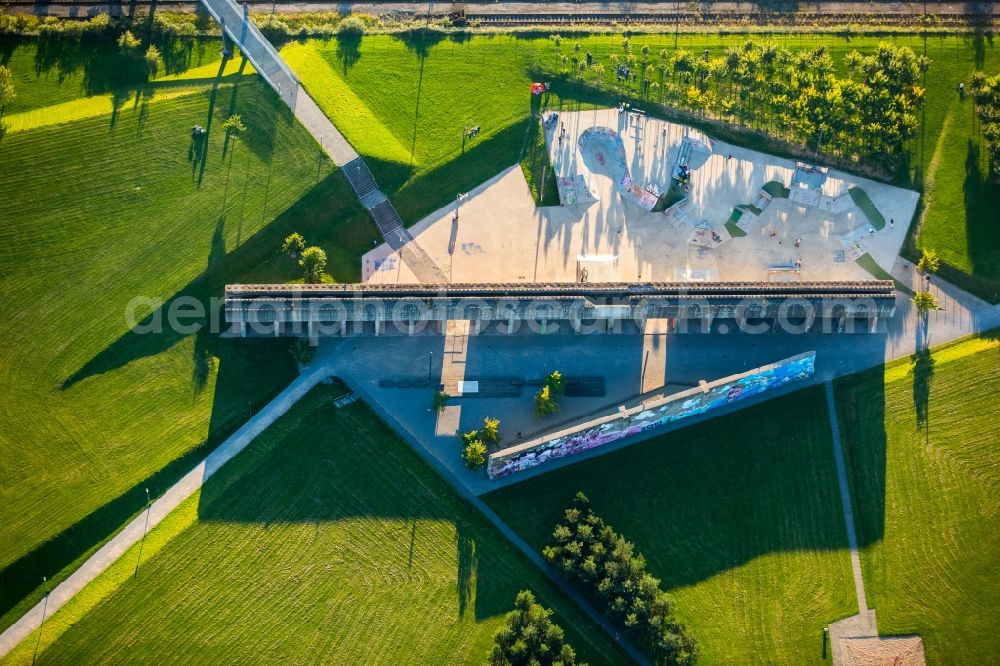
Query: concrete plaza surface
[[501, 236], [630, 365]]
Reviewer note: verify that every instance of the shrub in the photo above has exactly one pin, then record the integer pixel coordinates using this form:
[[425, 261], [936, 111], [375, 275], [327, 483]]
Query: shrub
[[351, 26], [556, 383], [293, 245], [234, 125], [474, 454], [491, 430], [7, 92], [587, 550], [929, 262], [313, 263], [128, 42], [302, 351], [545, 404], [529, 636], [440, 401], [925, 301], [152, 58]]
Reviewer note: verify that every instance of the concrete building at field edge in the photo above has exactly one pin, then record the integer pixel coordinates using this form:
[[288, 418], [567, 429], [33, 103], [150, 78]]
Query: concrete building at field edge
[[314, 311]]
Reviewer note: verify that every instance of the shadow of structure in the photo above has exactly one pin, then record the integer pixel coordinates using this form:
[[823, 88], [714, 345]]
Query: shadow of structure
[[238, 361], [316, 466], [718, 494], [424, 194], [330, 196], [250, 373]]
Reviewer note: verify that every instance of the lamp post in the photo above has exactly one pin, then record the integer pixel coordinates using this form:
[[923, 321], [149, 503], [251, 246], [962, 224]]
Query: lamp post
[[458, 198], [45, 607], [430, 360]]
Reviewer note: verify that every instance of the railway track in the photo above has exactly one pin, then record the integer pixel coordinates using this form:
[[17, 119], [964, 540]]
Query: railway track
[[518, 14]]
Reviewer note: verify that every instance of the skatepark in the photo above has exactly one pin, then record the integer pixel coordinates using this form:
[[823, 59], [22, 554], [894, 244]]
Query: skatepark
[[643, 199]]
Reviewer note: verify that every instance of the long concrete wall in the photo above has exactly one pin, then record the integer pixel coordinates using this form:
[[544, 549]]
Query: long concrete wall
[[361, 309], [649, 414]]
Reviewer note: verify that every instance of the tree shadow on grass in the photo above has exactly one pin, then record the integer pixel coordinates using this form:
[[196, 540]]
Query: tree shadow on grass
[[420, 41], [250, 373], [923, 372], [982, 201], [348, 50], [718, 494]]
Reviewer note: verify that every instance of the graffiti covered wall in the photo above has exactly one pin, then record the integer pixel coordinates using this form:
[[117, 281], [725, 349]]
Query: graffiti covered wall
[[649, 414]]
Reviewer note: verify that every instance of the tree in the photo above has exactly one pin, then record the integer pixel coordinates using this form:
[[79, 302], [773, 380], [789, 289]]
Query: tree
[[474, 454], [7, 92], [152, 58], [925, 301], [351, 26], [293, 245], [234, 126], [313, 263], [491, 430], [545, 404], [556, 383], [529, 636], [129, 43], [929, 262], [302, 351], [587, 550], [440, 401]]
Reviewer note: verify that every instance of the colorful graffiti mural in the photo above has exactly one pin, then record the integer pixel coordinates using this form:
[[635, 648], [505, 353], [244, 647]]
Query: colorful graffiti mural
[[650, 414]]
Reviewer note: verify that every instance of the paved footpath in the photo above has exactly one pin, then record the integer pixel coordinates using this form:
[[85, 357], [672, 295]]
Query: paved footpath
[[180, 491], [270, 65], [845, 498]]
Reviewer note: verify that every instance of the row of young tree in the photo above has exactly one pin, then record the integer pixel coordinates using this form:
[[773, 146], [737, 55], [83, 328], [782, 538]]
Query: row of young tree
[[986, 94], [311, 259], [587, 550], [867, 114], [530, 638]]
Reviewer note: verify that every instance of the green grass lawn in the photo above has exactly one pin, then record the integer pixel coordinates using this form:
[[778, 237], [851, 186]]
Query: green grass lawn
[[327, 541], [921, 439], [405, 101], [101, 210], [739, 517]]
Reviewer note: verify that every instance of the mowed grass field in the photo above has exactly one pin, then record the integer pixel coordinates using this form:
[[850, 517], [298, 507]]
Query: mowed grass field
[[406, 100], [327, 541], [921, 443], [100, 210], [738, 516]]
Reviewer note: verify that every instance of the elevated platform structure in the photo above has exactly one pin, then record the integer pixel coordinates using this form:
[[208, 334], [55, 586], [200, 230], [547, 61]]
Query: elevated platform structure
[[548, 308]]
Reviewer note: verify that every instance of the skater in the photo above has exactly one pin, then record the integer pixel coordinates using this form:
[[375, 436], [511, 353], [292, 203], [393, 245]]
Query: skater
[[798, 242]]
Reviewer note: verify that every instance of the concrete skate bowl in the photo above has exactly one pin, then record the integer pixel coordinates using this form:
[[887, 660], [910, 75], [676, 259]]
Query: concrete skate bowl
[[604, 153]]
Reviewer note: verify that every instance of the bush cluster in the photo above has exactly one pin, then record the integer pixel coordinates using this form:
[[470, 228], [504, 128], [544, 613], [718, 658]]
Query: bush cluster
[[547, 399], [529, 636], [986, 93], [473, 450], [868, 113], [586, 550], [162, 26]]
